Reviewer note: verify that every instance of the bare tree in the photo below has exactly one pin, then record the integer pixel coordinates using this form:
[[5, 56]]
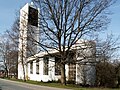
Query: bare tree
[[106, 54], [13, 33], [64, 22], [4, 50], [16, 34], [9, 56], [117, 72], [9, 49], [106, 50]]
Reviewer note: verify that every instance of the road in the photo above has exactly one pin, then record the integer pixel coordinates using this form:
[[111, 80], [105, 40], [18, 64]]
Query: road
[[13, 85]]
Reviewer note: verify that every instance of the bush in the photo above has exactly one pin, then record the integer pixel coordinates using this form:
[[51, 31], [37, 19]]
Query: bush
[[70, 82], [105, 75]]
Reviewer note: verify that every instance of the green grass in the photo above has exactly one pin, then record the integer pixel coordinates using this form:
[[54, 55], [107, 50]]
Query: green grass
[[58, 85]]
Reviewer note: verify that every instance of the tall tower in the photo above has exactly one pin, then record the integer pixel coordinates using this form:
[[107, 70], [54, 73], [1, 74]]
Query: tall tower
[[28, 37]]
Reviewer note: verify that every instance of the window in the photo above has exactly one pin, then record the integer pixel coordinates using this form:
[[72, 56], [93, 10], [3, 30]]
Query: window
[[57, 66], [37, 67], [45, 65], [31, 67]]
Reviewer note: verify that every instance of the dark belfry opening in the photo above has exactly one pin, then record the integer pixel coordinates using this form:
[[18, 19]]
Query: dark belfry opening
[[33, 16], [32, 32]]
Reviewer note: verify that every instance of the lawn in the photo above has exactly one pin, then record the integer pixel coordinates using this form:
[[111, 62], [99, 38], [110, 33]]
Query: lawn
[[58, 85]]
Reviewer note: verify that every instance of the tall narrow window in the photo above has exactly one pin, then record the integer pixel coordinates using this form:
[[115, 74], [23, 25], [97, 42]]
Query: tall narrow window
[[31, 67], [37, 67], [57, 66], [45, 66]]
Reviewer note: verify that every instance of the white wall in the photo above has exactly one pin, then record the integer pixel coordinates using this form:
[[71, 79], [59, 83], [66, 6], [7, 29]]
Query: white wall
[[85, 69], [22, 40], [40, 77], [87, 73]]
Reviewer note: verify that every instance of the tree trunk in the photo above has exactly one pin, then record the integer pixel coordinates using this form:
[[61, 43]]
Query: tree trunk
[[6, 73], [63, 76], [24, 79]]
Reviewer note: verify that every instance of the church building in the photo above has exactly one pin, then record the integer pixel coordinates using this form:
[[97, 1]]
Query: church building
[[40, 66]]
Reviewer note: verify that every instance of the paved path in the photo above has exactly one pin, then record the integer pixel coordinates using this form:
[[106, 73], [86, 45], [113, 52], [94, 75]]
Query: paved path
[[13, 85]]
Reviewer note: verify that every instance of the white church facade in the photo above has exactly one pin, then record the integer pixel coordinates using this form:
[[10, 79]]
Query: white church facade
[[44, 67]]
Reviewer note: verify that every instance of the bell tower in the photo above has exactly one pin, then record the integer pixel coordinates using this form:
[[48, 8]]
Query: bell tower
[[28, 37]]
